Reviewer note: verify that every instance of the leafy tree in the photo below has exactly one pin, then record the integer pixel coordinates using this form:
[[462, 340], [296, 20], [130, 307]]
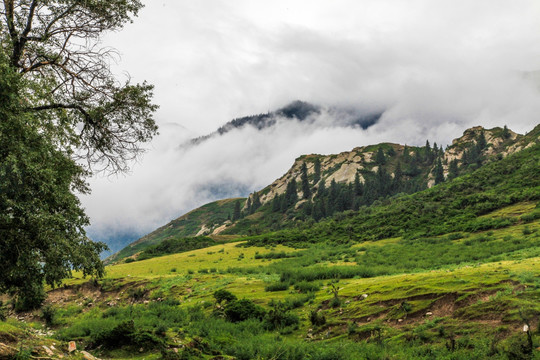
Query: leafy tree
[[42, 237], [55, 47], [306, 192]]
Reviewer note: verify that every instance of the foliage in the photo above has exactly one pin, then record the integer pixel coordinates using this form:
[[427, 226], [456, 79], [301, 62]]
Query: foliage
[[42, 224], [173, 246], [69, 86], [243, 309]]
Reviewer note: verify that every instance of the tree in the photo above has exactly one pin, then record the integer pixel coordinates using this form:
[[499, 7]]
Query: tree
[[60, 106], [42, 223], [55, 46], [380, 159], [316, 171], [505, 133], [439, 172], [453, 170], [236, 211], [306, 192]]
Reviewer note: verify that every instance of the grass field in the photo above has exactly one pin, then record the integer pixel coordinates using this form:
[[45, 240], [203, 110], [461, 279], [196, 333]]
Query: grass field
[[455, 296]]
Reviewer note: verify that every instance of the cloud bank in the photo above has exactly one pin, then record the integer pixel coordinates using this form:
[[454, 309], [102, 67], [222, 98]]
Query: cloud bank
[[436, 67]]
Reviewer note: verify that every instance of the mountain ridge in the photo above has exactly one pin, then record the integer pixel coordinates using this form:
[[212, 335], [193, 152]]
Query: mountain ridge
[[341, 168]]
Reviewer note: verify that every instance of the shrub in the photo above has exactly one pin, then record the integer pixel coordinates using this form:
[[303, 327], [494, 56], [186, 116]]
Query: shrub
[[223, 295], [317, 318], [48, 314], [278, 286], [243, 309], [279, 317], [307, 287]]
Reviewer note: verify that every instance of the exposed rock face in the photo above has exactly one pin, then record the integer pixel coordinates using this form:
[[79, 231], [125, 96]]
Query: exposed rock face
[[341, 168]]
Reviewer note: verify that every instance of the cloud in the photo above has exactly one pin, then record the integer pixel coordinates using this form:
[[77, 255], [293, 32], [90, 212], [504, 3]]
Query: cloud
[[437, 67]]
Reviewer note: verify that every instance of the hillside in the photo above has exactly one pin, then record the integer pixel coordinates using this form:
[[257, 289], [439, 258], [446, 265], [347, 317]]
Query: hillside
[[205, 219], [450, 272], [341, 182]]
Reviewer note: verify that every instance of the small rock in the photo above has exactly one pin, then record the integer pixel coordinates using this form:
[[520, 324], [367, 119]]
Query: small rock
[[141, 350], [146, 302], [525, 328], [364, 296], [400, 320], [48, 351], [175, 350], [348, 302], [72, 346], [429, 313], [88, 356]]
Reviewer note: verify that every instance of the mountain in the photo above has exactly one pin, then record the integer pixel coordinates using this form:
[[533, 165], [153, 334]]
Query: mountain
[[298, 111], [342, 182], [196, 222]]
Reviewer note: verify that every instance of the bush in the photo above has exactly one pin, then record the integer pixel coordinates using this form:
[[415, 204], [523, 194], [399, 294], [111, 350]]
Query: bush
[[48, 314], [223, 296], [279, 317], [243, 309], [317, 318], [279, 286], [307, 287]]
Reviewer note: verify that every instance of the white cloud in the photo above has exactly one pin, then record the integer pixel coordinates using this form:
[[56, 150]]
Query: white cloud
[[437, 66]]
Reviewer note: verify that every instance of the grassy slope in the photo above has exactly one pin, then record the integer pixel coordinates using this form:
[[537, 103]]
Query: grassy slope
[[186, 225], [425, 307], [452, 272]]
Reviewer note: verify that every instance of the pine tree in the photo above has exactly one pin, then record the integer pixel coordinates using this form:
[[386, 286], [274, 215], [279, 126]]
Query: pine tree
[[380, 159], [291, 195], [481, 142], [236, 213], [439, 172], [506, 133], [406, 155], [306, 192], [358, 186], [322, 190], [453, 170], [398, 177], [317, 171]]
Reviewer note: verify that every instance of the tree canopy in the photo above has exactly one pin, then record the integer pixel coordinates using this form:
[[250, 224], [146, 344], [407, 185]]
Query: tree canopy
[[55, 46], [63, 115]]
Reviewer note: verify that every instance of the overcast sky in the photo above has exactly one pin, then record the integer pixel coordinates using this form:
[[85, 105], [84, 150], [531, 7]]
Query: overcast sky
[[435, 67]]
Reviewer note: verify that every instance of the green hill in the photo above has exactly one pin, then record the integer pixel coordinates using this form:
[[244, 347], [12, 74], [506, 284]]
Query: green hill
[[449, 272]]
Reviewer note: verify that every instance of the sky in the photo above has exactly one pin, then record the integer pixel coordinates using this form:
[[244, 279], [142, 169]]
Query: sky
[[434, 67]]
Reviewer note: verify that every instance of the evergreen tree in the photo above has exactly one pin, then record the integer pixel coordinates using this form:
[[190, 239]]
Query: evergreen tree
[[291, 195], [322, 190], [481, 142], [439, 172], [317, 171], [453, 170], [380, 159], [249, 208], [358, 186], [276, 203], [256, 202], [506, 133], [406, 155], [398, 177], [236, 212], [306, 192]]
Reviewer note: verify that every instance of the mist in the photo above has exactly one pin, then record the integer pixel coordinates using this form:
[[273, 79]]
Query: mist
[[434, 67]]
